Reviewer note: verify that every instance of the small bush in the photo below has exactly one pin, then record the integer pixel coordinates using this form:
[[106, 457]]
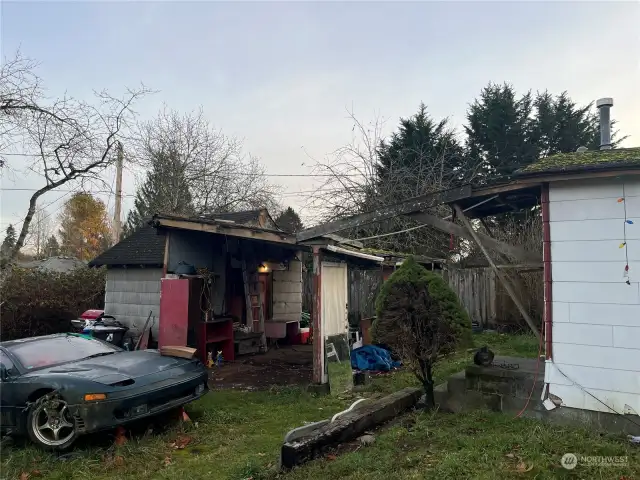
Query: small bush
[[420, 318], [37, 302]]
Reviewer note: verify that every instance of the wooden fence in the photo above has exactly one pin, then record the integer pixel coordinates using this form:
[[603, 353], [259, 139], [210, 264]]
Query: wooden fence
[[478, 289], [487, 302]]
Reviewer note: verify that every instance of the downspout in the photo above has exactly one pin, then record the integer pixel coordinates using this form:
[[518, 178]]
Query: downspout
[[547, 282]]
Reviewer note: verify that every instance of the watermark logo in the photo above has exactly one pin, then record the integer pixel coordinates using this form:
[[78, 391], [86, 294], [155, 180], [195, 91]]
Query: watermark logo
[[571, 461]]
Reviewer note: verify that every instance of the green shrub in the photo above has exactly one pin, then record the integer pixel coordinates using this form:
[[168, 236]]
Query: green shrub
[[420, 318], [37, 302]]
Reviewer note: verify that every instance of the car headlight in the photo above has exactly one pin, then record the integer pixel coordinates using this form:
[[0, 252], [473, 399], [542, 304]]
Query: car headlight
[[200, 389]]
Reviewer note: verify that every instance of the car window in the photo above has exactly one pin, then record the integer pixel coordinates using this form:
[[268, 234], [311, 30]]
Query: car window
[[49, 351], [6, 362]]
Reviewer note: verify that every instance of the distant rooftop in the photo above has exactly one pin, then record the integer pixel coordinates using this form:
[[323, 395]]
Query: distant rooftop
[[58, 264], [588, 161]]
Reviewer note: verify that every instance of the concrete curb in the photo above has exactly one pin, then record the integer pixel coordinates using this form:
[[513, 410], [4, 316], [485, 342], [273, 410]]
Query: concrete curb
[[346, 427]]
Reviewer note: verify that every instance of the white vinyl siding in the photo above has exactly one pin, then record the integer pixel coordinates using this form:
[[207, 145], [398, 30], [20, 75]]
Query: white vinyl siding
[[596, 315]]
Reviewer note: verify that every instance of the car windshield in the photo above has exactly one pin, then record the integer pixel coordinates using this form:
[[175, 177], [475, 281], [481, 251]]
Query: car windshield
[[49, 351]]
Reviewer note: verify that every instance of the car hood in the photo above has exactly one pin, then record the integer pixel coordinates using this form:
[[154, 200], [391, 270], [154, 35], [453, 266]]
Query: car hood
[[118, 367]]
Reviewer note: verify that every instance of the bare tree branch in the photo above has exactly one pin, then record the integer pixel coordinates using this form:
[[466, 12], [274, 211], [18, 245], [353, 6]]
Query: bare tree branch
[[66, 139], [220, 176]]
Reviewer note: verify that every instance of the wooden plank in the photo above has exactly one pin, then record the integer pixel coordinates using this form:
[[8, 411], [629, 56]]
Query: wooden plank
[[229, 230], [409, 206], [505, 281], [181, 352], [457, 230]]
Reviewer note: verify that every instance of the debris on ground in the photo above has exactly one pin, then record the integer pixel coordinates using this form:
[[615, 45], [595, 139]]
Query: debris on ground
[[634, 439], [183, 416], [181, 442], [121, 437], [289, 365], [367, 440], [29, 475]]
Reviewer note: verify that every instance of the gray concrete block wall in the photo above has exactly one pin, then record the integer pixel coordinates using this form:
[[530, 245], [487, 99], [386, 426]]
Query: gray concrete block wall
[[287, 293], [131, 293]]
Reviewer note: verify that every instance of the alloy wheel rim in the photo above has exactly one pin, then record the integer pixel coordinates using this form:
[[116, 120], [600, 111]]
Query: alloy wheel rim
[[52, 423]]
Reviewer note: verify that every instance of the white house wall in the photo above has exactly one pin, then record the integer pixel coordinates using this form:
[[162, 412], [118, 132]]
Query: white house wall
[[596, 315], [131, 293]]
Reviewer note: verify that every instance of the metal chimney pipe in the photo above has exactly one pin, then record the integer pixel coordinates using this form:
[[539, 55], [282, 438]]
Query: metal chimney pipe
[[604, 105]]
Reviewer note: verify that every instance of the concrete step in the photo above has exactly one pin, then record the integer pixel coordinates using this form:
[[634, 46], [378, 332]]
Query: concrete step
[[457, 383], [441, 394]]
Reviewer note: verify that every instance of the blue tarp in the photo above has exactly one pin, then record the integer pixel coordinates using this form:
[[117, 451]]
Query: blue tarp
[[372, 358]]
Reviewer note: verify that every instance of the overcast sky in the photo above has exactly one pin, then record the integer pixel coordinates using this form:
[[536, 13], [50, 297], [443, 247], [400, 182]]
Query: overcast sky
[[281, 75]]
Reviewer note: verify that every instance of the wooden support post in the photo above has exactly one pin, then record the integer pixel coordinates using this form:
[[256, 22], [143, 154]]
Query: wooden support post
[[503, 279], [319, 376]]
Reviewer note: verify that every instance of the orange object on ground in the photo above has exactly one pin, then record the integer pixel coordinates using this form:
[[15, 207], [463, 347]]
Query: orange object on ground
[[183, 416]]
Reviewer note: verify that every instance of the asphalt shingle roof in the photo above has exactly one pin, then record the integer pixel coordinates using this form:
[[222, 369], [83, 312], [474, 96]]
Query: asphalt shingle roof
[[145, 247]]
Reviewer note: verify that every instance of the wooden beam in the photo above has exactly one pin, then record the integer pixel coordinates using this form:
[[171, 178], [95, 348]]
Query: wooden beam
[[501, 276], [521, 183], [457, 230], [319, 376], [232, 231], [165, 261], [408, 206]]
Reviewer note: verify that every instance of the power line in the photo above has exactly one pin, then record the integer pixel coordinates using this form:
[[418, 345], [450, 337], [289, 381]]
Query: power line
[[285, 175], [110, 192]]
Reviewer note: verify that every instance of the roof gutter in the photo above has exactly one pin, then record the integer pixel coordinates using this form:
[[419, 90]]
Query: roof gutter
[[344, 251]]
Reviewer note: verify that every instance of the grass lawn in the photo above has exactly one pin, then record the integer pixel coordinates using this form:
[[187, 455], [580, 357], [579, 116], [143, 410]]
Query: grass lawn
[[237, 435]]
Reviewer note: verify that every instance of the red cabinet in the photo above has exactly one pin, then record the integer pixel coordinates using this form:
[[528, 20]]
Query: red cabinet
[[181, 320]]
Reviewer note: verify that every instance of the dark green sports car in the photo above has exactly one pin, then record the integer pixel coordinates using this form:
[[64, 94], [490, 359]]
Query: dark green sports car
[[58, 387]]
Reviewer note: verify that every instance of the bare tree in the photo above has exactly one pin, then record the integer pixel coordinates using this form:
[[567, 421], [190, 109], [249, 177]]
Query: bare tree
[[63, 140], [357, 180], [219, 174], [40, 231]]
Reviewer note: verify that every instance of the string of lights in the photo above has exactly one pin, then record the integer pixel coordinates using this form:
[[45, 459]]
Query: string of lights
[[623, 200]]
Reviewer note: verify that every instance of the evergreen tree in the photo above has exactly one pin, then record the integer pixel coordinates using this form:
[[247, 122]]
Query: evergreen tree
[[51, 247], [289, 221], [499, 131], [561, 126], [506, 132], [9, 241], [165, 190], [422, 155]]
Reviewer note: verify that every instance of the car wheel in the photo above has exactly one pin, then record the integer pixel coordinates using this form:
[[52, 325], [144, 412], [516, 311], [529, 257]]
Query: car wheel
[[50, 424]]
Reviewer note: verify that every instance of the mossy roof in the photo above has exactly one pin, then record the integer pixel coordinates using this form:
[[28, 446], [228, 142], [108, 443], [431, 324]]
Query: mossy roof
[[590, 160]]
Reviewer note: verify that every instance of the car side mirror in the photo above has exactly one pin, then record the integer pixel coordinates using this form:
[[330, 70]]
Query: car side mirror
[[4, 373]]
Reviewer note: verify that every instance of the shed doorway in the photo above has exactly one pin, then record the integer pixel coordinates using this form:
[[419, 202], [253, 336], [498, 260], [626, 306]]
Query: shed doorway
[[334, 299]]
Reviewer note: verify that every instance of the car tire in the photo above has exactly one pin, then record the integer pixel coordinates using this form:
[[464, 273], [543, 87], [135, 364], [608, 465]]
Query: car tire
[[50, 424]]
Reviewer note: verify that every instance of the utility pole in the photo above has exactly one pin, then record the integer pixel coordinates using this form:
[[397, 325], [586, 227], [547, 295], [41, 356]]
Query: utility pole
[[117, 224]]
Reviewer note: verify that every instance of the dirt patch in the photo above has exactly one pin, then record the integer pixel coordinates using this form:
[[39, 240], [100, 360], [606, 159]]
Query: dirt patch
[[290, 365]]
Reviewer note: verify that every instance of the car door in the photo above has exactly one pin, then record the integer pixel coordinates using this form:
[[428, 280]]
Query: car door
[[7, 394]]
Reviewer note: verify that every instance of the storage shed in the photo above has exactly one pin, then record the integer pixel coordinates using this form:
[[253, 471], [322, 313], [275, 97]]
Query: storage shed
[[135, 266]]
